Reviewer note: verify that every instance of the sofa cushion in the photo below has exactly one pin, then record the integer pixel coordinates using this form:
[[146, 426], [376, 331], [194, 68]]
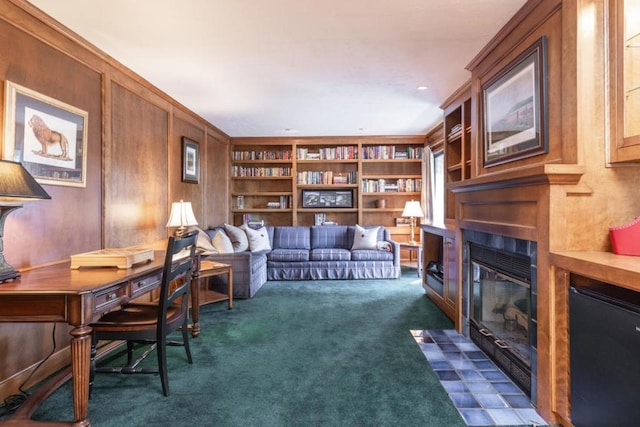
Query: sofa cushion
[[221, 243], [371, 255], [330, 254], [286, 255], [365, 238], [291, 237], [258, 238], [204, 243], [238, 238], [331, 236]]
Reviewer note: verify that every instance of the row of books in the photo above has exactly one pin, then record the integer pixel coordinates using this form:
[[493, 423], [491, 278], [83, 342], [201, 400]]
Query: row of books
[[326, 177], [284, 203], [252, 222], [383, 152], [400, 185], [403, 222], [239, 171], [321, 219], [328, 153], [336, 153], [261, 155], [455, 129]]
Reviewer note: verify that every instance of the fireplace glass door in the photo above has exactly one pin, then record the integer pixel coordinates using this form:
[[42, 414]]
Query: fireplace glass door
[[501, 309]]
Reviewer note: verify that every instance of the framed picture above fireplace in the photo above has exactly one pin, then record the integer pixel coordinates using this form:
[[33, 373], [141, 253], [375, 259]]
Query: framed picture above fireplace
[[515, 108]]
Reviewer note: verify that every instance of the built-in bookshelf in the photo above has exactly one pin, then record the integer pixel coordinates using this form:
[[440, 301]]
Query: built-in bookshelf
[[391, 176], [270, 176], [261, 184], [457, 146]]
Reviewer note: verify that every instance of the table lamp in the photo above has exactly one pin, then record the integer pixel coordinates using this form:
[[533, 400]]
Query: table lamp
[[182, 217], [412, 210], [16, 186]]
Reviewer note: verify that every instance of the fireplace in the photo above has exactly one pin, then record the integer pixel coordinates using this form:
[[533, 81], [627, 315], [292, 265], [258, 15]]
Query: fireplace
[[499, 302]]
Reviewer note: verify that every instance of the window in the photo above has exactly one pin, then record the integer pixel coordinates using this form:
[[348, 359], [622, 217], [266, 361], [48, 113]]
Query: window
[[438, 187]]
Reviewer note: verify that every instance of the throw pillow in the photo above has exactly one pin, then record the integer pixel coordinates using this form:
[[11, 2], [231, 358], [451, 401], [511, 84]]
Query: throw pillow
[[365, 238], [258, 238], [222, 243], [204, 243], [384, 246], [238, 238]]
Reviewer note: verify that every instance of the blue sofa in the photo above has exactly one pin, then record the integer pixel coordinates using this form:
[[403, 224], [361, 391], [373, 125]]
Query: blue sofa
[[325, 252], [308, 253]]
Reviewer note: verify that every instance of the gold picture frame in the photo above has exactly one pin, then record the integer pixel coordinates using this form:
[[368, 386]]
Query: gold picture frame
[[47, 136]]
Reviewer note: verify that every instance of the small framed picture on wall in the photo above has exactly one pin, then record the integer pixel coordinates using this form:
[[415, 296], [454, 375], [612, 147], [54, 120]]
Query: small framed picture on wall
[[190, 161]]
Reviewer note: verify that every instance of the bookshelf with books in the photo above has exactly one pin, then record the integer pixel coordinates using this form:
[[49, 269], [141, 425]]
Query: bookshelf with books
[[261, 180], [326, 169], [457, 147], [391, 176], [271, 175]]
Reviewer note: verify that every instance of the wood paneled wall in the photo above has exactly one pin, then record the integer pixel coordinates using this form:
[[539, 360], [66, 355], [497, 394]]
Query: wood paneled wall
[[134, 158]]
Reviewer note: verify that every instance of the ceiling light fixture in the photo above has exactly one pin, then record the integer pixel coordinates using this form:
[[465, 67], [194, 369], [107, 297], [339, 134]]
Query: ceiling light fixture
[[423, 87]]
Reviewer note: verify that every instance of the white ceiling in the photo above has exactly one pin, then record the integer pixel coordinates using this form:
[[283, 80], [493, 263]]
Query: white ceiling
[[296, 67]]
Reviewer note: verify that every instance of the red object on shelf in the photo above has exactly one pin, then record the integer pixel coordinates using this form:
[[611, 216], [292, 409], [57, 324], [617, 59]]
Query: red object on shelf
[[625, 239]]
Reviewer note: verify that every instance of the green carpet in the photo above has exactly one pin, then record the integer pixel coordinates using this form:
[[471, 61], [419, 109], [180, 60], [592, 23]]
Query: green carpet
[[316, 353]]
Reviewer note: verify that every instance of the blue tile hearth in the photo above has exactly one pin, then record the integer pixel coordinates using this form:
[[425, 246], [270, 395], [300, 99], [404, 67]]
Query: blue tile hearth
[[482, 393]]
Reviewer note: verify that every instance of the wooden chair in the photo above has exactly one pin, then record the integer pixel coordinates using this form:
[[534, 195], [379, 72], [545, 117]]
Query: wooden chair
[[150, 323]]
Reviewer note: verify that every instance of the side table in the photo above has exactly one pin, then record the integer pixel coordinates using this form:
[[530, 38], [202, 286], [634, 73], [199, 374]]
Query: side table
[[200, 296], [417, 249]]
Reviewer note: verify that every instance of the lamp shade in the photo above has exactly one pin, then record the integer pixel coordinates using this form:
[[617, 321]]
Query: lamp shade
[[412, 209], [17, 184], [181, 215]]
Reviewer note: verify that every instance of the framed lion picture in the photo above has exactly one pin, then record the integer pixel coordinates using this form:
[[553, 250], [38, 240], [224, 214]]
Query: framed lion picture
[[47, 136]]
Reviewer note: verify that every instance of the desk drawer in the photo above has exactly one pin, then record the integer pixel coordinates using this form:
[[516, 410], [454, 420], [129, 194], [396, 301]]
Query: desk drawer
[[145, 284], [108, 299]]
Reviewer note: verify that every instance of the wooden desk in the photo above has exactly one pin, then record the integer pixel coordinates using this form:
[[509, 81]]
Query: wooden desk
[[417, 248], [56, 293], [203, 270]]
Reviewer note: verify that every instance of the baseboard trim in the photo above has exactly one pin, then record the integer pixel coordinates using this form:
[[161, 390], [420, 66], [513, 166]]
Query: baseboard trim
[[58, 361]]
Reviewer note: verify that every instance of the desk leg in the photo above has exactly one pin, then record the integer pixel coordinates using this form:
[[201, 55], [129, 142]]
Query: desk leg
[[230, 288], [80, 363], [195, 306]]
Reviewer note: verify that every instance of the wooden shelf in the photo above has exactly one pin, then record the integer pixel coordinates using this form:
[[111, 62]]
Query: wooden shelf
[[457, 147], [263, 193], [251, 187], [262, 210], [382, 209], [321, 209], [307, 162], [392, 160], [392, 193], [261, 162], [619, 270], [327, 185], [259, 177]]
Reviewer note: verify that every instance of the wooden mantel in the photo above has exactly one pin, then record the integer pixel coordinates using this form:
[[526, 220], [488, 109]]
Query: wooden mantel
[[550, 174]]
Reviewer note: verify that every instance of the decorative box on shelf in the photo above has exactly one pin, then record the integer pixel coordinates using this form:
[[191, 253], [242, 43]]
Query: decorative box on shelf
[[112, 257], [625, 239]]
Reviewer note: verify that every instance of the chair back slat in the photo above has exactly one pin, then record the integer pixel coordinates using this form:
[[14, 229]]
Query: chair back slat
[[178, 264]]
